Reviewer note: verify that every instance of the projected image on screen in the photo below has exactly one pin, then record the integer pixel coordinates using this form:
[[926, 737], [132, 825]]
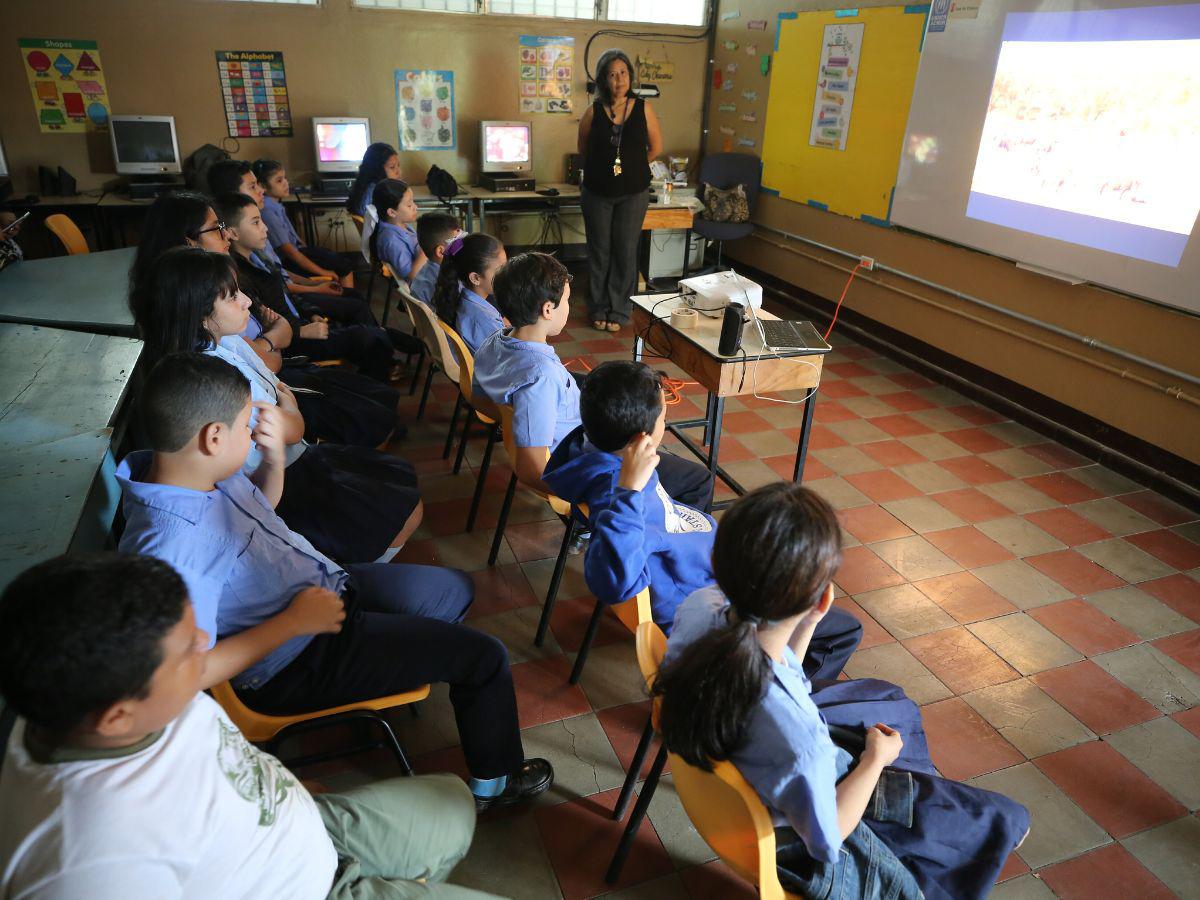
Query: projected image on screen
[[341, 143], [507, 144], [1091, 140]]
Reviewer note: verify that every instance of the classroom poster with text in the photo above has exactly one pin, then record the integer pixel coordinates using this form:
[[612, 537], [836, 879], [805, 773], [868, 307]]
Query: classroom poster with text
[[425, 109], [837, 74], [67, 83], [254, 91], [546, 68]]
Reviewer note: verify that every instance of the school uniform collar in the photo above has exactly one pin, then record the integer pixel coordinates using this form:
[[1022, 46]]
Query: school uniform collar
[[186, 503], [472, 297], [49, 754], [529, 346]]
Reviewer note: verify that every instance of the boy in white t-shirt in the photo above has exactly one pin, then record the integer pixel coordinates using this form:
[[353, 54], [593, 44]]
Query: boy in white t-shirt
[[122, 780]]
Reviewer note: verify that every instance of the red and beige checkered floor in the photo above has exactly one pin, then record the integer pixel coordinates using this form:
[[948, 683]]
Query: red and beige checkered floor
[[1042, 609]]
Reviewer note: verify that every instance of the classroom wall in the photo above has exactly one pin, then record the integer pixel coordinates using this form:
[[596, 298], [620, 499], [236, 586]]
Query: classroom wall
[[159, 60], [1167, 336]]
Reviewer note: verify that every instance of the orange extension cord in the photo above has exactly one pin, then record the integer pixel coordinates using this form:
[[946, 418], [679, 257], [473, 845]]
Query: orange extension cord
[[838, 308], [672, 387]]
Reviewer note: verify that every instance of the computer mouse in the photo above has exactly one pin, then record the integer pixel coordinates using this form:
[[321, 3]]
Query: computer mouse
[[549, 192]]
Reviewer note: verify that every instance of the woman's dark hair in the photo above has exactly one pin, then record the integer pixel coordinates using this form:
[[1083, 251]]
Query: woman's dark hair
[[475, 253], [82, 632], [172, 220], [607, 58], [263, 169], [775, 553], [370, 170], [527, 282], [619, 399], [225, 176], [181, 288], [387, 194]]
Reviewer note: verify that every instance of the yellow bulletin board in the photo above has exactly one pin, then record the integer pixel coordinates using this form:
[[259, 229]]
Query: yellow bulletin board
[[857, 181]]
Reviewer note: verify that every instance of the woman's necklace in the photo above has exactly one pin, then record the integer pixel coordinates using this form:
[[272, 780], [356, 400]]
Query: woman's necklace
[[620, 131]]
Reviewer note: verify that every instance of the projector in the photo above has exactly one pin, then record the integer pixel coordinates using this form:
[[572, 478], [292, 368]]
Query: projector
[[710, 294]]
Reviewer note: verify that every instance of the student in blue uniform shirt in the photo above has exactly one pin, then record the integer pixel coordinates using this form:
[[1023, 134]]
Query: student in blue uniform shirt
[[518, 367], [865, 816], [296, 257], [341, 304], [640, 536], [394, 241], [380, 161], [435, 231], [390, 628], [463, 296], [355, 504]]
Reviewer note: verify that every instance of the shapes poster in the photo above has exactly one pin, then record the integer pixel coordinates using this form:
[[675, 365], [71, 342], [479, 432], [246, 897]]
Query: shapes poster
[[837, 74], [425, 109], [546, 71], [254, 89], [67, 83]]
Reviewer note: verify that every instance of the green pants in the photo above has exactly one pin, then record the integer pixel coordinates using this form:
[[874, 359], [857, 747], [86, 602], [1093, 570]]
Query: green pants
[[391, 833]]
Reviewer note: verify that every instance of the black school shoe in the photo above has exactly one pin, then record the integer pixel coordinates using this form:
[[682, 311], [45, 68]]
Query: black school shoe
[[534, 777]]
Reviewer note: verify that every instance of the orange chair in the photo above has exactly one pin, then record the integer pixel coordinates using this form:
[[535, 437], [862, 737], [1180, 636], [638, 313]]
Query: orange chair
[[437, 346], [68, 233], [272, 731], [651, 646], [479, 409], [631, 613]]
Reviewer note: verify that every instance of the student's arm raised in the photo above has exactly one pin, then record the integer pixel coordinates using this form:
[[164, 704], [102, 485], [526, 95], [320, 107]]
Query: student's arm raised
[[314, 610], [293, 421], [615, 565]]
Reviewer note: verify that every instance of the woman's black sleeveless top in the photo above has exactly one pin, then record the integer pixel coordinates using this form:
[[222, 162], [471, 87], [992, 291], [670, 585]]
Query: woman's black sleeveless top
[[598, 174]]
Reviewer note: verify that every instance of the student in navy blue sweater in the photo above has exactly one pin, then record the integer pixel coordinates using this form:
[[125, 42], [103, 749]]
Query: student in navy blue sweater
[[640, 536]]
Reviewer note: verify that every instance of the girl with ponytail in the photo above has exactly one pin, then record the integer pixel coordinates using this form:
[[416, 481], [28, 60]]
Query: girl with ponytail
[[858, 807], [380, 161], [462, 296]]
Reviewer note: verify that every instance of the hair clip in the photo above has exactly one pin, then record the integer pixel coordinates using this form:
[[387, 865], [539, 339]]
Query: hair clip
[[750, 620], [454, 246]]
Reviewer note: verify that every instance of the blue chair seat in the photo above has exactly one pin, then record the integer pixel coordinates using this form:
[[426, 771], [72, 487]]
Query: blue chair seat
[[721, 231]]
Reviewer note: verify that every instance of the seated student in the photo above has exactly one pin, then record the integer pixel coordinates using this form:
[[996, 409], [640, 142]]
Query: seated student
[[463, 296], [518, 367], [640, 536], [435, 230], [852, 821], [337, 405], [191, 503], [380, 161], [394, 241], [235, 176], [355, 504], [10, 250], [123, 780], [367, 346], [296, 257]]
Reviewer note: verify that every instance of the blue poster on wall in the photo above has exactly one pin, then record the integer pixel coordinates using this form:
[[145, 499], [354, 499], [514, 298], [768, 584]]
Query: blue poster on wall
[[425, 109]]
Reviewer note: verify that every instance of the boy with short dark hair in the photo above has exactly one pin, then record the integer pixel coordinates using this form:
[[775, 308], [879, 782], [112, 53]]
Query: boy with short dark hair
[[434, 231], [640, 536], [367, 346], [518, 367], [368, 630], [122, 780]]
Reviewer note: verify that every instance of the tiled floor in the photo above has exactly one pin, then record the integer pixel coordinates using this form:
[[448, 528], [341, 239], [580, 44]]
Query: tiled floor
[[1042, 609]]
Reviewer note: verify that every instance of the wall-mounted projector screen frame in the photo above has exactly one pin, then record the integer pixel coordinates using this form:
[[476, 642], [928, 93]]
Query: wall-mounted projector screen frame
[[1064, 136]]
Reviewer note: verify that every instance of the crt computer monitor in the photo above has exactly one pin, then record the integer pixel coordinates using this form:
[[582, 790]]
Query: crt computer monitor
[[145, 145], [506, 146], [340, 142]]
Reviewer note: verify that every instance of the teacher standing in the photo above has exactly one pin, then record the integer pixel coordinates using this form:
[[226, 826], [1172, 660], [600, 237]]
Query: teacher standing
[[618, 137]]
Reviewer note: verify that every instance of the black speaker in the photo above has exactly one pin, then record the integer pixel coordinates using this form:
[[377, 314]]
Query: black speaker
[[48, 181], [66, 183], [731, 330]]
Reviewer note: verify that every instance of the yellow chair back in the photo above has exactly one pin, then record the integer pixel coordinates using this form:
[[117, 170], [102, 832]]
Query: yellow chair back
[[488, 412], [260, 728], [635, 611], [430, 332], [560, 506], [68, 233]]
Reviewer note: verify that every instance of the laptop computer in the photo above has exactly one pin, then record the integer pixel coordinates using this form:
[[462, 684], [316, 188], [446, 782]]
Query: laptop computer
[[785, 334]]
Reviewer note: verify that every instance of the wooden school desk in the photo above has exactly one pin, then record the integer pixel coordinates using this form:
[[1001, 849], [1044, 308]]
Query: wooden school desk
[[89, 292], [64, 400], [755, 370]]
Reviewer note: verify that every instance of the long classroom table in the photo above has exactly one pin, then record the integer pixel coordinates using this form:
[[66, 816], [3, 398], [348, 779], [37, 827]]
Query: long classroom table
[[88, 292], [64, 401]]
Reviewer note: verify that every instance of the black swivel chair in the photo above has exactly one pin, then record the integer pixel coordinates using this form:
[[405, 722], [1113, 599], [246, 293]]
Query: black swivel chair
[[725, 171]]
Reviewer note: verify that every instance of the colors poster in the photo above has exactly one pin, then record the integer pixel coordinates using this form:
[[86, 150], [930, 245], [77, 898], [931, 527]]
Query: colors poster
[[425, 109], [546, 71]]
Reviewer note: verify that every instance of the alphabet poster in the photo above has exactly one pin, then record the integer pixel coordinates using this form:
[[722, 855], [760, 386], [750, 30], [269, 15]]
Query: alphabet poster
[[837, 75], [546, 68], [425, 109], [254, 89], [67, 83]]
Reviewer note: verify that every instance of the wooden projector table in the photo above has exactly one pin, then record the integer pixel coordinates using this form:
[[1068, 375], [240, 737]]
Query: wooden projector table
[[753, 370]]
